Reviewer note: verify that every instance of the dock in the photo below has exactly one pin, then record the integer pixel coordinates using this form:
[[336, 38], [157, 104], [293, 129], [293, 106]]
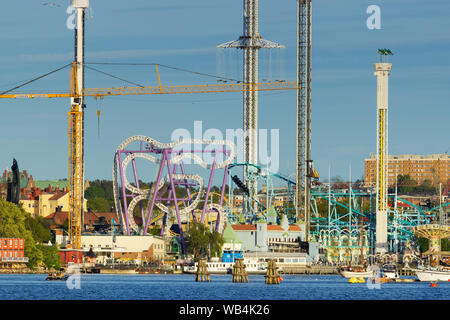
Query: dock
[[286, 269], [406, 272]]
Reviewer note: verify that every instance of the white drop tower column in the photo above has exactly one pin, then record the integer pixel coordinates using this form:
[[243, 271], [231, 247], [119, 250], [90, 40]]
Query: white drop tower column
[[382, 73]]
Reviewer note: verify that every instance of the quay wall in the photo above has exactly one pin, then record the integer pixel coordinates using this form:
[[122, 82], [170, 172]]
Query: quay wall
[[286, 269]]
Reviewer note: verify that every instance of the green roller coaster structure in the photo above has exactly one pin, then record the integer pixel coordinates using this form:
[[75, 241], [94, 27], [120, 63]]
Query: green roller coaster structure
[[336, 216]]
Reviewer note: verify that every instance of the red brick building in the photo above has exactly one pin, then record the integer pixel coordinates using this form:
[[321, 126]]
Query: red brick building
[[12, 250]]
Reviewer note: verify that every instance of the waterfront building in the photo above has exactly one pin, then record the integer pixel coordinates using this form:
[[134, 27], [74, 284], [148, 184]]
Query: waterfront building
[[434, 167], [117, 247], [12, 250], [232, 247], [276, 238]]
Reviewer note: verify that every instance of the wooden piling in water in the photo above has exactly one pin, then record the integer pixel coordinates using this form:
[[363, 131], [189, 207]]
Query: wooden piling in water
[[239, 272], [272, 276], [202, 273]]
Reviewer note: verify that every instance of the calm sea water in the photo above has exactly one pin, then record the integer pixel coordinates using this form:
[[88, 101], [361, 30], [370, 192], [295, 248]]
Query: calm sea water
[[183, 287]]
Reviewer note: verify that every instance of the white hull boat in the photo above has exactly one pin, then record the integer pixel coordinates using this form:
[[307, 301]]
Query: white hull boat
[[433, 275], [357, 274], [252, 267]]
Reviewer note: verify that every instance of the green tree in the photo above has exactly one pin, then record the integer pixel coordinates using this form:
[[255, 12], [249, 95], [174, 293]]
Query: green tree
[[201, 242], [65, 225], [51, 258], [216, 242], [94, 192], [107, 187], [99, 205], [12, 225], [405, 184], [40, 228], [423, 244]]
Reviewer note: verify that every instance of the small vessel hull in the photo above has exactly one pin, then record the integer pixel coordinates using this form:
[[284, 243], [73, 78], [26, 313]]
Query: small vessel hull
[[356, 274], [223, 270], [390, 274], [57, 278], [432, 276], [252, 267]]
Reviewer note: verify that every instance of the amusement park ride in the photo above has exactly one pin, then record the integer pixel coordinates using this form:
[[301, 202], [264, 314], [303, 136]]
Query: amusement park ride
[[76, 115], [385, 226]]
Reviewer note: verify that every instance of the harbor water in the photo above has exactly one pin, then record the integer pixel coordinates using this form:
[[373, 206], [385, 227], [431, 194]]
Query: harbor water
[[221, 287]]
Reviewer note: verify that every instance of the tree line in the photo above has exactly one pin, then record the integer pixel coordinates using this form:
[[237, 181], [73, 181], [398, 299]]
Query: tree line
[[15, 222]]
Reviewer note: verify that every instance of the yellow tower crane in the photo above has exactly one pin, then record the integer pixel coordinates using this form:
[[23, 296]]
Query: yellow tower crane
[[76, 146]]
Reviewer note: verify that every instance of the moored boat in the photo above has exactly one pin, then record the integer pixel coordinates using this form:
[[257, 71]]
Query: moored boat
[[389, 271], [356, 272], [57, 276], [220, 267], [433, 274]]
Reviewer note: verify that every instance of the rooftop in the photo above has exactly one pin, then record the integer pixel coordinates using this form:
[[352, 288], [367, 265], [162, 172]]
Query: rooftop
[[442, 156]]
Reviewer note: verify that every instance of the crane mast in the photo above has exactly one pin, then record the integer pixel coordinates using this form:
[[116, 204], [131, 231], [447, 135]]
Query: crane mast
[[76, 131], [303, 161], [250, 42]]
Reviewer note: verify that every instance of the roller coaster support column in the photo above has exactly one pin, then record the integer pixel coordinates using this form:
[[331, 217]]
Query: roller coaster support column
[[175, 201], [205, 204]]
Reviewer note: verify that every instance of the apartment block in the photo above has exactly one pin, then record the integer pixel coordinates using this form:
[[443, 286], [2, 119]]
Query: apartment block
[[434, 167]]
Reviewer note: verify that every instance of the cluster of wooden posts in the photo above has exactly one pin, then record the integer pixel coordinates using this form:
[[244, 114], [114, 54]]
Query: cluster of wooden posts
[[239, 273], [202, 271], [272, 276]]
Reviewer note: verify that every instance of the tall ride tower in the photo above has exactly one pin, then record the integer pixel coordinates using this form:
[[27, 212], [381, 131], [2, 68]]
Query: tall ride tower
[[304, 162], [250, 43], [382, 73], [76, 130]]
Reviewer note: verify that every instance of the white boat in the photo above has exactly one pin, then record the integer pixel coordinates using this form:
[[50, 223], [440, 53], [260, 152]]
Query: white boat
[[356, 273], [433, 275], [389, 271], [220, 267]]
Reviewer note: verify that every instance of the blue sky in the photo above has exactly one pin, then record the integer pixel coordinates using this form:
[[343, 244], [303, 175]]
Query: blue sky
[[184, 34]]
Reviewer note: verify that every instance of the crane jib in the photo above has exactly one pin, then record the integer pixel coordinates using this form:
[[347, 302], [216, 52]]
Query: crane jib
[[215, 88]]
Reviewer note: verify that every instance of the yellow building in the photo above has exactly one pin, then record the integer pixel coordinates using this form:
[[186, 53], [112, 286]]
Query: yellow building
[[434, 167], [47, 203]]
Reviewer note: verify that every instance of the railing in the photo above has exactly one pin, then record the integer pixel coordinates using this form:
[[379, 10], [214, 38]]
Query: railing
[[14, 259]]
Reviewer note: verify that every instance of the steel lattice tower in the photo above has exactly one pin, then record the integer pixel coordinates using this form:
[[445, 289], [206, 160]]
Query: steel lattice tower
[[250, 43], [304, 165], [76, 131]]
